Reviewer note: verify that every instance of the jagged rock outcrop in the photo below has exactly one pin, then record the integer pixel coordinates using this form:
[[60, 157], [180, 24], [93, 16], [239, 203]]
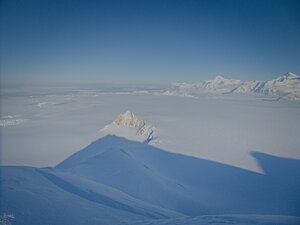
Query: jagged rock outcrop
[[128, 125]]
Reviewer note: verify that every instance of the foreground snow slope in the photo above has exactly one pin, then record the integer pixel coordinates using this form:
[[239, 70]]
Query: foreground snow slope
[[226, 220], [117, 181], [35, 196], [189, 185], [35, 200]]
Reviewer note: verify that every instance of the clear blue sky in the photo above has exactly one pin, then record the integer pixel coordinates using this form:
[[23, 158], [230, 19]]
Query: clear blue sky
[[73, 41]]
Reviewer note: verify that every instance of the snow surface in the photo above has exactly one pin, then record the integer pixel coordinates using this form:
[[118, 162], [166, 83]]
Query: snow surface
[[214, 154], [189, 185], [33, 200], [118, 181], [225, 219]]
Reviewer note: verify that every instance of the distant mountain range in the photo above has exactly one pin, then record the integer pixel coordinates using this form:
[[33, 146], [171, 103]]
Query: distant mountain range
[[286, 87]]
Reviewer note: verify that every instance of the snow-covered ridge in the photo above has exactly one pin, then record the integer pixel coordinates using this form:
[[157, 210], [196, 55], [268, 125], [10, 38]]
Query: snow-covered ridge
[[128, 125], [286, 86]]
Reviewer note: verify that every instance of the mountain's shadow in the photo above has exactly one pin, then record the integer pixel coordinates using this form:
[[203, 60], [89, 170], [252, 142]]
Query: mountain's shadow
[[189, 185], [282, 175]]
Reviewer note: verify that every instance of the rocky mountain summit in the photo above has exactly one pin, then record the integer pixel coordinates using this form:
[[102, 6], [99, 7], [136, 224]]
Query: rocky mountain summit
[[128, 125], [128, 119]]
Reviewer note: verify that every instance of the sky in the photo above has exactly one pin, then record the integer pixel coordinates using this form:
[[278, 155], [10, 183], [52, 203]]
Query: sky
[[124, 41]]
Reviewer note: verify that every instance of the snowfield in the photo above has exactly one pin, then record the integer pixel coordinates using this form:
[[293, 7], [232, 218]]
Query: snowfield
[[132, 155], [118, 181]]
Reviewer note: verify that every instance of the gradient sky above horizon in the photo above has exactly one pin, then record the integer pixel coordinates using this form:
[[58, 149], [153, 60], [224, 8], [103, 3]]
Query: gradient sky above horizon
[[114, 41]]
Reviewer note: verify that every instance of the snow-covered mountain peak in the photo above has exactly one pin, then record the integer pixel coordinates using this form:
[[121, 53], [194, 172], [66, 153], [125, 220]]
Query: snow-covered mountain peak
[[287, 76], [291, 75], [128, 125], [128, 119], [223, 81], [220, 78]]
